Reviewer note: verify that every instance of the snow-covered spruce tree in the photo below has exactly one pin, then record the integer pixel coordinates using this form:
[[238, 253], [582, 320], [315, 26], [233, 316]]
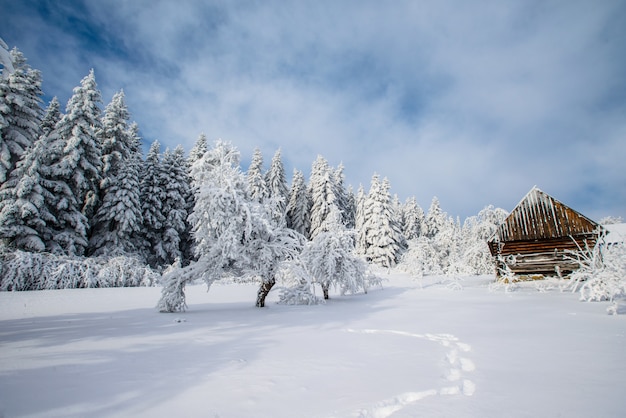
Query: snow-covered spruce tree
[[257, 187], [5, 60], [322, 190], [350, 214], [359, 221], [25, 198], [235, 236], [331, 260], [20, 112], [277, 182], [118, 217], [177, 190], [435, 219], [383, 239], [414, 219], [152, 195], [341, 195], [76, 156], [198, 150], [299, 205]]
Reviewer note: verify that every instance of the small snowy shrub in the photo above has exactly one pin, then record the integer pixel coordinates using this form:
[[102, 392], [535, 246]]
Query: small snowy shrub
[[21, 270], [297, 286], [602, 273]]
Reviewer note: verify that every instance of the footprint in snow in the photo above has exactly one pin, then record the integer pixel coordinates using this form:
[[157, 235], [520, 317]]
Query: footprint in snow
[[459, 367]]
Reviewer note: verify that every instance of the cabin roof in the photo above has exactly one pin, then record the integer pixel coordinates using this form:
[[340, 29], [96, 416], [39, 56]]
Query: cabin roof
[[539, 216]]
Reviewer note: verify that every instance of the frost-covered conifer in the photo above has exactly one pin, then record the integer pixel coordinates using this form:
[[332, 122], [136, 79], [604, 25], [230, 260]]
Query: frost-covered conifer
[[20, 112], [383, 238], [359, 221], [118, 217], [51, 117], [299, 206], [152, 195], [277, 183], [198, 150], [75, 165], [25, 198], [322, 190], [257, 187], [414, 219], [177, 191], [435, 219]]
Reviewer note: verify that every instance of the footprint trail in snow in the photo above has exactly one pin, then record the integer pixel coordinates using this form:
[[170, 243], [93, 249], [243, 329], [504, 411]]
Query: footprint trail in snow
[[458, 365]]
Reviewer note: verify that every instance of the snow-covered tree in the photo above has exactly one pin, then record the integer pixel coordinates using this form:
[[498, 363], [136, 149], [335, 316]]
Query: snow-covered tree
[[234, 235], [276, 181], [414, 219], [299, 205], [152, 195], [51, 117], [435, 219], [20, 112], [359, 221], [198, 150], [25, 198], [5, 60], [475, 233], [118, 218], [75, 165], [177, 191], [383, 239], [322, 190], [331, 260], [257, 187]]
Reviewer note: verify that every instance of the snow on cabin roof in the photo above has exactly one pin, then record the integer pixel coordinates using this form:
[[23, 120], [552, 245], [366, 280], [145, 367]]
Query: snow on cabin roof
[[615, 233], [540, 216]]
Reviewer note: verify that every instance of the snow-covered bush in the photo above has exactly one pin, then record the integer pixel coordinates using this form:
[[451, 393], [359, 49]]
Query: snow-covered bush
[[21, 270], [602, 273], [298, 287]]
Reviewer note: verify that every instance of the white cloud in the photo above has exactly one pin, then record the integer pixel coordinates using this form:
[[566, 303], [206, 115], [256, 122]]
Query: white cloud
[[472, 102]]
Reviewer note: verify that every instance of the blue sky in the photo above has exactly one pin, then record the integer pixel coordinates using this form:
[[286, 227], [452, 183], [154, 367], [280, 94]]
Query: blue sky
[[472, 102]]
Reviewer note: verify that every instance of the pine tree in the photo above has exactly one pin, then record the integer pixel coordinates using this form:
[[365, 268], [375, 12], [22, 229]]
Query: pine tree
[[299, 206], [76, 164], [152, 195], [118, 218], [359, 221], [383, 239], [341, 195], [413, 219], [20, 112], [277, 189], [177, 191], [435, 219], [257, 187], [25, 212], [323, 194], [198, 150]]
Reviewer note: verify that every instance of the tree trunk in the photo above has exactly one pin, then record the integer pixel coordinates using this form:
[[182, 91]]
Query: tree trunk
[[263, 292], [325, 287]]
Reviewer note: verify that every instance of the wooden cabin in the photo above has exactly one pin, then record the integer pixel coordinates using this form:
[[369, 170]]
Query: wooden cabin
[[536, 238]]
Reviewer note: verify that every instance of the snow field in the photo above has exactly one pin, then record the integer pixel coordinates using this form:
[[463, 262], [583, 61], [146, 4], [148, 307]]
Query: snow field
[[411, 349]]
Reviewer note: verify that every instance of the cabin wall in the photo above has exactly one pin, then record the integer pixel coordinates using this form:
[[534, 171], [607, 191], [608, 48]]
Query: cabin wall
[[542, 257]]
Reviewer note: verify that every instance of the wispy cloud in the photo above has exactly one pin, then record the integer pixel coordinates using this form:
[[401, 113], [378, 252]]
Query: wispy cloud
[[472, 102]]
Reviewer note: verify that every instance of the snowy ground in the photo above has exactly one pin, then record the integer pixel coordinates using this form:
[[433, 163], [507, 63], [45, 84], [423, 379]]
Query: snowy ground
[[411, 349]]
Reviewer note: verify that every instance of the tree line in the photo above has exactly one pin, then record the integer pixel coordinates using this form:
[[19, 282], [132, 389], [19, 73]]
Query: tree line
[[76, 185]]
